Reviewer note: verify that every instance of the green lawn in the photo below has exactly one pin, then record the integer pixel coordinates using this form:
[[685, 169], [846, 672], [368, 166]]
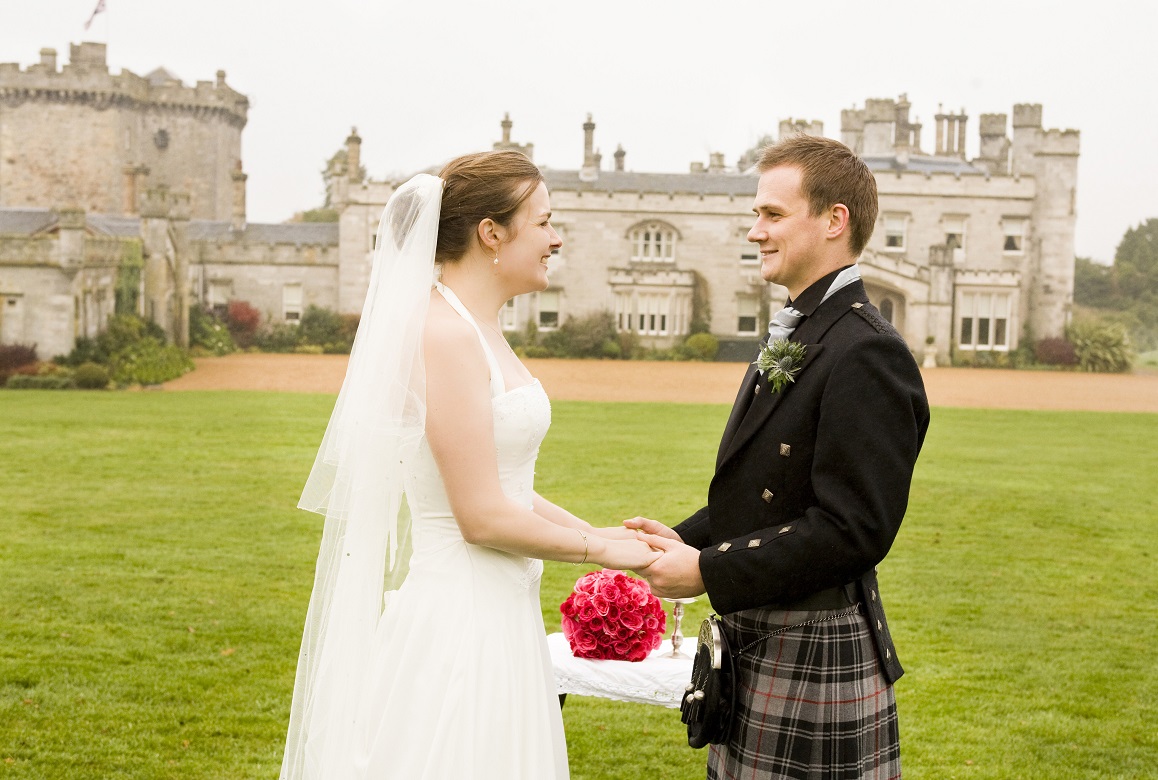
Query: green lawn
[[155, 575]]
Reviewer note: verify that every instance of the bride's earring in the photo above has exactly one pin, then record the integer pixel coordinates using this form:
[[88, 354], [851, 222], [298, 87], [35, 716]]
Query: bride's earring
[[496, 258]]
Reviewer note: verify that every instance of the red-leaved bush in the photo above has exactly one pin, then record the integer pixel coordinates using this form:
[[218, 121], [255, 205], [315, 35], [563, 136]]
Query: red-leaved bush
[[612, 616], [1055, 352], [242, 320], [14, 357]]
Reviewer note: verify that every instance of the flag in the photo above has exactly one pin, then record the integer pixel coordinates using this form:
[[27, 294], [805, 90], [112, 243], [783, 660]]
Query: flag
[[100, 6]]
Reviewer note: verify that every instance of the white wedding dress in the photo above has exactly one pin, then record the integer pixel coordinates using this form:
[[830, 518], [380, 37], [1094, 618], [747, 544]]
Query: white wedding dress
[[462, 685]]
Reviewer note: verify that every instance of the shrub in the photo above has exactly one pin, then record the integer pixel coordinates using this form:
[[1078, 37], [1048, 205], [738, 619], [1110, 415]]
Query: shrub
[[702, 346], [122, 331], [84, 351], [242, 320], [14, 356], [536, 351], [209, 333], [1055, 352], [629, 348], [149, 362], [276, 337], [60, 381], [91, 376], [1101, 347], [320, 326], [350, 324], [583, 337]]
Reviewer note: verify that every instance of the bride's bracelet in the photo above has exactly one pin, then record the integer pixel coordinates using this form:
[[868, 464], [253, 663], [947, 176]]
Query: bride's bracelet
[[585, 548]]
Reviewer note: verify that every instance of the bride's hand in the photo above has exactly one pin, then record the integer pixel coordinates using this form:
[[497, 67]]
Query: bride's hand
[[628, 554], [616, 532]]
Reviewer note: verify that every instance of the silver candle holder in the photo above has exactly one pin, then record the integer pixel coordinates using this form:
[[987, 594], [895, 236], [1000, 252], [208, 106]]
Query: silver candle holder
[[677, 637]]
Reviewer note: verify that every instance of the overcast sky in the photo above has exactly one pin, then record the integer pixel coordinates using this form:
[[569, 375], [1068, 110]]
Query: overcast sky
[[429, 79]]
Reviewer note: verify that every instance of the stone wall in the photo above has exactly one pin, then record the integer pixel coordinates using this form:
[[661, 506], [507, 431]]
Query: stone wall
[[81, 136]]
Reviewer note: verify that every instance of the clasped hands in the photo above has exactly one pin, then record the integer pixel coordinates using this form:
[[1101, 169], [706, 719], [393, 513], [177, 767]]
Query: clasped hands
[[676, 573]]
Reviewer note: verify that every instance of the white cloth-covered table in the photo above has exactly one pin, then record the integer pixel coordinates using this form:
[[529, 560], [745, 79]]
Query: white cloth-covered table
[[658, 679]]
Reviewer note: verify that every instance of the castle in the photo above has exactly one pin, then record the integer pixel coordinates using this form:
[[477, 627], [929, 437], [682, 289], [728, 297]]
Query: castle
[[968, 255]]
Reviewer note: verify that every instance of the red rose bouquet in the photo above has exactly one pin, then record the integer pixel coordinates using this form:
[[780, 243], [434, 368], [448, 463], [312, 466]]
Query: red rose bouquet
[[612, 616]]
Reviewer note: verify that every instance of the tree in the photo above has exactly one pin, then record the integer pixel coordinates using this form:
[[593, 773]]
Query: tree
[[1093, 284], [1136, 262]]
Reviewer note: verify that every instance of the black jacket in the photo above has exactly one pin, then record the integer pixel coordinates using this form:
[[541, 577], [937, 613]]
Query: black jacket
[[812, 482]]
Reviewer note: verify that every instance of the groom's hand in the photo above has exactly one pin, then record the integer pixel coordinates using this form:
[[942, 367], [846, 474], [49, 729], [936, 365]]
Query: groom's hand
[[676, 573], [652, 527]]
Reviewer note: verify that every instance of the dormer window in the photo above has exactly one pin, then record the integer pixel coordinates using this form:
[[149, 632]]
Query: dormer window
[[653, 242]]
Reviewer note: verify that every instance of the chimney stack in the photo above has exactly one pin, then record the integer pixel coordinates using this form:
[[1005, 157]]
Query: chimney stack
[[619, 155], [354, 156], [590, 169]]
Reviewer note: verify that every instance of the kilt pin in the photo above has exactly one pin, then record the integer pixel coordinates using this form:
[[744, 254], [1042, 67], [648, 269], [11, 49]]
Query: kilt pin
[[810, 488]]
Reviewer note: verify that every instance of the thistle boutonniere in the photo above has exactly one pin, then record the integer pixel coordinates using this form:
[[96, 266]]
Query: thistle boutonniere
[[780, 361]]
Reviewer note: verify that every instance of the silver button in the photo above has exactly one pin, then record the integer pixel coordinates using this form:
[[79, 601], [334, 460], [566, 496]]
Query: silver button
[[724, 547], [785, 450], [753, 542], [879, 625], [857, 305], [767, 496], [888, 652], [785, 529], [874, 595], [757, 390]]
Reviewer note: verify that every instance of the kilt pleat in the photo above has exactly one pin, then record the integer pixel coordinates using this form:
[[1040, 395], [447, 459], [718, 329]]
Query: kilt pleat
[[811, 703]]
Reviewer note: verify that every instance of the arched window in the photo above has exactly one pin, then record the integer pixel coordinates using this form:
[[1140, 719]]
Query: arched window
[[653, 242], [887, 309]]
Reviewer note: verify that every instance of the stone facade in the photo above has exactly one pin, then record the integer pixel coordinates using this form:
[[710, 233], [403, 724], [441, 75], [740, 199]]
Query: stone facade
[[80, 136], [970, 255], [122, 193], [966, 255]]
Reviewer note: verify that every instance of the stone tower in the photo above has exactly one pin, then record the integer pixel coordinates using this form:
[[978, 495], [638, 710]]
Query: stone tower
[[79, 135], [1051, 157]]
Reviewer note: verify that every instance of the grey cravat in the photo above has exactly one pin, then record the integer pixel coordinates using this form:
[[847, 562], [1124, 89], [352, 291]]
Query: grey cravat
[[788, 318], [783, 323]]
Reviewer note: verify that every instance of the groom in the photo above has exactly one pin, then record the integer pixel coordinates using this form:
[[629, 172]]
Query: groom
[[812, 480]]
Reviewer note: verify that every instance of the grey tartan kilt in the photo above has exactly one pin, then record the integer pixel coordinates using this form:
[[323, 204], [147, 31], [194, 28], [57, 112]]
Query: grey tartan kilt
[[810, 703]]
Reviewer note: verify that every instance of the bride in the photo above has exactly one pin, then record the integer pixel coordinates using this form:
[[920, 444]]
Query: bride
[[426, 478]]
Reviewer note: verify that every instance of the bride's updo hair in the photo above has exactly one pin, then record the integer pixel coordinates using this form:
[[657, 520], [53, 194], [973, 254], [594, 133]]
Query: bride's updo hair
[[476, 187]]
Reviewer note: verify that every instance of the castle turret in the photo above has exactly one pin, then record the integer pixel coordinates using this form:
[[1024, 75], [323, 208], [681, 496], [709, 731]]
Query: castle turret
[[102, 124], [619, 156], [790, 127], [1054, 216], [879, 121], [852, 129], [1026, 137], [994, 156]]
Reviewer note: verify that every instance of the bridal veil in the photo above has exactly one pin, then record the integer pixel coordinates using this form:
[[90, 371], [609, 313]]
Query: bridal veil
[[357, 482]]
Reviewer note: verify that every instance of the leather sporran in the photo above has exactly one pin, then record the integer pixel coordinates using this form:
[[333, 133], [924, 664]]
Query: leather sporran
[[708, 705]]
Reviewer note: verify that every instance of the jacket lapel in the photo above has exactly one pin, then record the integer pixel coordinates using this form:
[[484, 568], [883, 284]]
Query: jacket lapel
[[751, 411], [739, 410], [762, 406]]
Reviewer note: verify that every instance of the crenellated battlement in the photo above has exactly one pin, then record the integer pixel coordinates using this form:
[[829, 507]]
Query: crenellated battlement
[[86, 81], [1064, 142]]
